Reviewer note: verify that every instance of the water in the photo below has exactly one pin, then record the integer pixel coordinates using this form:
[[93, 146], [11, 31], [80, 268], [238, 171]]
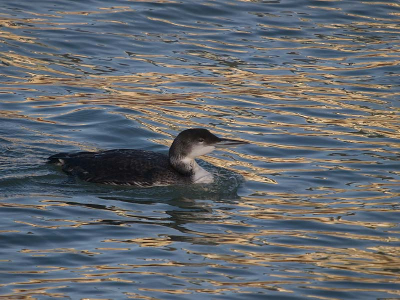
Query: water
[[313, 85]]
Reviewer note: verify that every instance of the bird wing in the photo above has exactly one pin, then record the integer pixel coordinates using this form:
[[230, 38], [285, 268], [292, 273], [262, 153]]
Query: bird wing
[[123, 166]]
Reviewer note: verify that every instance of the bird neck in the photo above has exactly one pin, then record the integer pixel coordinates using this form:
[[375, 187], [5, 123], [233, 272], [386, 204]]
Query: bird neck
[[189, 167], [179, 159], [184, 165]]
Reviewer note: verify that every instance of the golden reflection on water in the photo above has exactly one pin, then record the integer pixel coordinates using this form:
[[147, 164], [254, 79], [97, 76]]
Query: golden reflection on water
[[184, 93], [149, 104]]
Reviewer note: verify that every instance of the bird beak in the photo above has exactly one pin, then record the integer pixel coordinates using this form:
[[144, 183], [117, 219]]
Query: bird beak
[[225, 143]]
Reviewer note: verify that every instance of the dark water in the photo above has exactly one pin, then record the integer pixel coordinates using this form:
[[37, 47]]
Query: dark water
[[313, 85]]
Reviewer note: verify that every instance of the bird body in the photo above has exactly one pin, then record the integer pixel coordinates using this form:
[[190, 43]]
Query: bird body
[[146, 168]]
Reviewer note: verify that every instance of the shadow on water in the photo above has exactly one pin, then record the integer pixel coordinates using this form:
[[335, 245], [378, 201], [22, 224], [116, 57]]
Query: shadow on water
[[186, 203]]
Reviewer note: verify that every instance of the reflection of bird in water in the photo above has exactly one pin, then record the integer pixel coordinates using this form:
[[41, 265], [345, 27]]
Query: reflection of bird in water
[[147, 168]]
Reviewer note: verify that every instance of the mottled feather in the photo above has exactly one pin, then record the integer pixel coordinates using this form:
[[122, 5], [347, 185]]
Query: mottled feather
[[120, 167]]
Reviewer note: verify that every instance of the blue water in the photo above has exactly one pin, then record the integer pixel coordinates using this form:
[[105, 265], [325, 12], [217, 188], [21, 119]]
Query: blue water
[[308, 210]]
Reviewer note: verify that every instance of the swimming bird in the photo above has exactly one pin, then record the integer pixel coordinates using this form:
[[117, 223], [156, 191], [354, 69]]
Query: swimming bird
[[147, 168]]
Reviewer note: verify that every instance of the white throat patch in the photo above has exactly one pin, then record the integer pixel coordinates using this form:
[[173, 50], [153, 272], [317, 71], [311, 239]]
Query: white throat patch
[[200, 150]]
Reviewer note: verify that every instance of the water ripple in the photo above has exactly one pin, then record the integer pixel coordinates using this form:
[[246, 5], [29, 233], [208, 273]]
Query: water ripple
[[312, 85]]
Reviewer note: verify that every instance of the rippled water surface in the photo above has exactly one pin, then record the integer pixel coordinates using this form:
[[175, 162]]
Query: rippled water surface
[[314, 87]]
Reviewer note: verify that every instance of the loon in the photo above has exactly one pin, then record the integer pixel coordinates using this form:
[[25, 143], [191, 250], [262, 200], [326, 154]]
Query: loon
[[147, 168]]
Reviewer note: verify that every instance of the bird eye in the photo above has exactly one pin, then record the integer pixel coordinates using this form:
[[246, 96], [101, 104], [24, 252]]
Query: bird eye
[[200, 140]]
